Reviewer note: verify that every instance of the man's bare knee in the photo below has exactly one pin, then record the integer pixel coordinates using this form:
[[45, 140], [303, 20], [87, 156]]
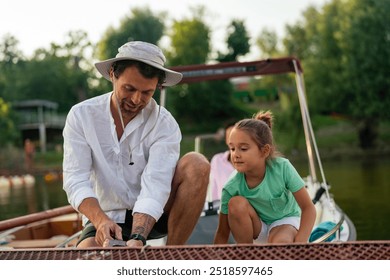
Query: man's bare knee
[[194, 164]]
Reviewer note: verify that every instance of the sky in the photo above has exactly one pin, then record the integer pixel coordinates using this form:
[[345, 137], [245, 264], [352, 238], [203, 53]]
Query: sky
[[38, 23]]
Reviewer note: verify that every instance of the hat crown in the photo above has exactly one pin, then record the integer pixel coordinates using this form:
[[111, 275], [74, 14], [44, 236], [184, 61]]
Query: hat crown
[[143, 51]]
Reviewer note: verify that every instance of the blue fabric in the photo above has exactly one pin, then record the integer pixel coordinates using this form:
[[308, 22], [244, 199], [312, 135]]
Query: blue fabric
[[322, 229]]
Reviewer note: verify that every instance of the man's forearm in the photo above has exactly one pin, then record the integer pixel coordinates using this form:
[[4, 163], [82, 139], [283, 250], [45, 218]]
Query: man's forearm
[[91, 209], [142, 224]]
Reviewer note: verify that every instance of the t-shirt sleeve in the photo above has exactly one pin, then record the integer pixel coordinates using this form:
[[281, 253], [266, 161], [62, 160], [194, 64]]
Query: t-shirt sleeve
[[294, 181], [226, 196], [229, 190]]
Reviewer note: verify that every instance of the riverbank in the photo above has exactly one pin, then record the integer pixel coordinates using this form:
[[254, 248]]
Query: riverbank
[[43, 167], [336, 139]]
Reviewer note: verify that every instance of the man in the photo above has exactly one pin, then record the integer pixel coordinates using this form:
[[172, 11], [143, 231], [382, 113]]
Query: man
[[121, 157]]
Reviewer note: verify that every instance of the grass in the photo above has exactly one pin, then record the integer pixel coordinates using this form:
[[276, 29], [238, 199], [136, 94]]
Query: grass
[[49, 159], [336, 137]]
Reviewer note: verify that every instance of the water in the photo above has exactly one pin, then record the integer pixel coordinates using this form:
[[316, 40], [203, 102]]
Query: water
[[362, 190], [22, 200], [360, 187]]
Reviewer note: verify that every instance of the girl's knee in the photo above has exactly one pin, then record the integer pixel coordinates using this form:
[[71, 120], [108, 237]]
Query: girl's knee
[[238, 205]]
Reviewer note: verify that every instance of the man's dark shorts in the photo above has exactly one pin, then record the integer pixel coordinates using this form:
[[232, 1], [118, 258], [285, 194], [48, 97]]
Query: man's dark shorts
[[159, 230]]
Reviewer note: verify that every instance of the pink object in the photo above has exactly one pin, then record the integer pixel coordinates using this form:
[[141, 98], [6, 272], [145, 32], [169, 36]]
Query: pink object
[[221, 169]]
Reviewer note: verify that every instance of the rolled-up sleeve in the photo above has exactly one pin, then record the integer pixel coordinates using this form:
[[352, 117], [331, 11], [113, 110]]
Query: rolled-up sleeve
[[156, 180]]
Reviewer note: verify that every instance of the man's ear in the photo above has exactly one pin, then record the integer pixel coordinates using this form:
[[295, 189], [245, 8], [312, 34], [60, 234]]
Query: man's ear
[[111, 74]]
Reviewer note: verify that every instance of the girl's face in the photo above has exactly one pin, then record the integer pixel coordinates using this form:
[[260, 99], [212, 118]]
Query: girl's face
[[245, 153]]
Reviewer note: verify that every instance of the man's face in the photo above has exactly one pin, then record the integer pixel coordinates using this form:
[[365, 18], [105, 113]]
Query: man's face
[[133, 91]]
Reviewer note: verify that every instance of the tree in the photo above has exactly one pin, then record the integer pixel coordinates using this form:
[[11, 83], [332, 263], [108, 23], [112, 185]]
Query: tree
[[65, 70], [190, 44], [347, 59], [197, 104], [10, 58], [190, 41], [288, 117], [76, 49], [9, 52], [58, 74], [9, 133], [301, 39], [366, 45], [268, 43], [237, 42], [140, 25]]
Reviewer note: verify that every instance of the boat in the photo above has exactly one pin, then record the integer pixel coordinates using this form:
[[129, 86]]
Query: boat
[[61, 227], [332, 224]]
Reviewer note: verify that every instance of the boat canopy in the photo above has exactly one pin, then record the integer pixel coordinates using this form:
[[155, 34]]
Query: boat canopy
[[270, 66], [226, 70]]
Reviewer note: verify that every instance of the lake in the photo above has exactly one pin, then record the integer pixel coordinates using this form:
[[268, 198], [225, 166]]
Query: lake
[[360, 187], [362, 190]]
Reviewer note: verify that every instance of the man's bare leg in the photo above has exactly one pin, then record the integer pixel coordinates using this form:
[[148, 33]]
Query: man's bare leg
[[189, 188]]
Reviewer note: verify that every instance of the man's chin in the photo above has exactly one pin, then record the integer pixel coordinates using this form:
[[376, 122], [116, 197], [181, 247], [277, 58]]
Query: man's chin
[[131, 110]]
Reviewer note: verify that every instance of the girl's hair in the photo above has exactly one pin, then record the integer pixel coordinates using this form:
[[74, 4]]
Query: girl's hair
[[259, 128]]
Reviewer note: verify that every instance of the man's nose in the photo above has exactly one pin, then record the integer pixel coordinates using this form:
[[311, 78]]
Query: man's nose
[[136, 97]]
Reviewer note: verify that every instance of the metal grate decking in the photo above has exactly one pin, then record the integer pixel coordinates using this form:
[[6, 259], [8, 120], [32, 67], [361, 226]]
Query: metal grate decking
[[365, 250]]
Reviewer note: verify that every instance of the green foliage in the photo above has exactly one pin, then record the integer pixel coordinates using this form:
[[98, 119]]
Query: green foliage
[[196, 104], [59, 74], [9, 133], [48, 159], [268, 43], [48, 79], [288, 129], [237, 42], [345, 49], [10, 57], [190, 42], [367, 51], [9, 52], [190, 45], [141, 25]]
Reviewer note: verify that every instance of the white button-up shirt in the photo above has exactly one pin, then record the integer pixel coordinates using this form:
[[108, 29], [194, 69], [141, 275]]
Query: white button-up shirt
[[96, 164]]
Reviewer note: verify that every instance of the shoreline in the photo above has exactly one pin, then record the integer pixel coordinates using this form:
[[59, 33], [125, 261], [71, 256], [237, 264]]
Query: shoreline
[[297, 156]]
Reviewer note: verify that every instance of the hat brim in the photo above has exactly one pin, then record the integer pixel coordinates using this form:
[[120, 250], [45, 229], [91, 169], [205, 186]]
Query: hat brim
[[171, 77]]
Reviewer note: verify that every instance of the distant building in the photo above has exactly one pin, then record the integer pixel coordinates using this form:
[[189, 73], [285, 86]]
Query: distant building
[[39, 121]]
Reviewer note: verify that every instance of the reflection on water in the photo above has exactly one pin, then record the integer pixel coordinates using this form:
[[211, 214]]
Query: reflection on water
[[360, 187], [20, 200]]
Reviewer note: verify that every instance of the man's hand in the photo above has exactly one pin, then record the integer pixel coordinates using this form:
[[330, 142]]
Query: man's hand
[[134, 243], [107, 230]]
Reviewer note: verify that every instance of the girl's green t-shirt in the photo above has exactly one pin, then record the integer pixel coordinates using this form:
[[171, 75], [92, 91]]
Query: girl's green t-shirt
[[272, 199]]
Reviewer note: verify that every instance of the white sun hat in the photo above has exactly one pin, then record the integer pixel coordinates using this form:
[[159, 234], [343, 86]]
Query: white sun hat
[[144, 52]]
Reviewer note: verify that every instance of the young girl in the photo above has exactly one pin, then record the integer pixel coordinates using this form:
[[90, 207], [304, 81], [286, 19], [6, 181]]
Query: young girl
[[266, 201]]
